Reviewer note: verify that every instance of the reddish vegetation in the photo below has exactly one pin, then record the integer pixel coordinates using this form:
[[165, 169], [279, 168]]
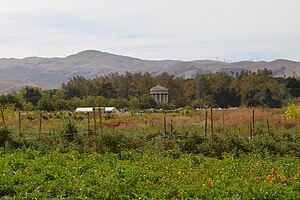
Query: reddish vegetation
[[116, 124]]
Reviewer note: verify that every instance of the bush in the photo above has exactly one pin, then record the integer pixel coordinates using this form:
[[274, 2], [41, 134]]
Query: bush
[[292, 112], [70, 130], [5, 136], [116, 142]]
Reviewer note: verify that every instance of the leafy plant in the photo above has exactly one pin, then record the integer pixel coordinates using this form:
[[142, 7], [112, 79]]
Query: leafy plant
[[70, 130], [5, 136], [133, 174], [292, 112]]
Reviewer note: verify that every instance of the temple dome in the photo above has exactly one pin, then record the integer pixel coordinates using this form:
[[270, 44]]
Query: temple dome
[[158, 88]]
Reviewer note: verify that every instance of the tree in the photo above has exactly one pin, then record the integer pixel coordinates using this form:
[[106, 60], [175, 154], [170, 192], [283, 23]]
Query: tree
[[175, 88], [32, 95], [27, 106], [11, 99], [78, 86], [118, 102], [146, 102], [106, 90], [293, 85], [220, 86], [71, 92], [198, 103], [260, 88], [45, 104]]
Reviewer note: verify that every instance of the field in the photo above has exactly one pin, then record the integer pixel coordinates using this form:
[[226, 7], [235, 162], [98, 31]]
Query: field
[[134, 155]]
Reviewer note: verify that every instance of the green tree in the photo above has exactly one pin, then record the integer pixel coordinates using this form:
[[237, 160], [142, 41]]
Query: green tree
[[45, 104], [146, 102], [71, 92], [11, 99], [198, 103], [106, 90], [32, 95], [220, 86], [118, 102], [293, 86], [260, 88]]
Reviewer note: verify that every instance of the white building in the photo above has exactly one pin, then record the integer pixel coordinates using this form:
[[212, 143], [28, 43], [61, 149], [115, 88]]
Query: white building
[[160, 94], [103, 109]]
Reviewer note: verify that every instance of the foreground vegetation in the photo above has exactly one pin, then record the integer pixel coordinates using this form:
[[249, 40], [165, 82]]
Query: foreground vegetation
[[143, 175], [58, 155]]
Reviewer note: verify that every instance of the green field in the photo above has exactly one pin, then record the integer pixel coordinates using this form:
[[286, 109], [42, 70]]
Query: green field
[[133, 157], [137, 175]]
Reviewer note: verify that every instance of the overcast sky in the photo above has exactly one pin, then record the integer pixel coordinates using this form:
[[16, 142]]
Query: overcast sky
[[152, 29]]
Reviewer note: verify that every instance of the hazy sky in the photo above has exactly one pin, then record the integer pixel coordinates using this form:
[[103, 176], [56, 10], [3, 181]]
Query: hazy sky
[[152, 29]]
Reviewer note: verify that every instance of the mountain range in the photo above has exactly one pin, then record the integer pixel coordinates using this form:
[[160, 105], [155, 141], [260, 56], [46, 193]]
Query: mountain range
[[50, 73]]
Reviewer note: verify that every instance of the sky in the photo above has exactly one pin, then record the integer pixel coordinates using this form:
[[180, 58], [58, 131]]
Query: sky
[[229, 30]]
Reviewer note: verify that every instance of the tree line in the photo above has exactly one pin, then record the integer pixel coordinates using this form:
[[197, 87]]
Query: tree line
[[246, 88]]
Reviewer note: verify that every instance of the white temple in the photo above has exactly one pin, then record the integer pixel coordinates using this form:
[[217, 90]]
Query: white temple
[[160, 94]]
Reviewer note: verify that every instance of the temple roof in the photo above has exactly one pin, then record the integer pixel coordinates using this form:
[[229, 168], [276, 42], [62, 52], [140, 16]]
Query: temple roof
[[159, 88]]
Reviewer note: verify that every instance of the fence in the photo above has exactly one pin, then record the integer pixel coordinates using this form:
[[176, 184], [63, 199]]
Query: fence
[[243, 121]]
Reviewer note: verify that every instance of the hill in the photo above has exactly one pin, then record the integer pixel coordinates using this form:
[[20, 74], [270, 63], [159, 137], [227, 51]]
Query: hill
[[52, 72]]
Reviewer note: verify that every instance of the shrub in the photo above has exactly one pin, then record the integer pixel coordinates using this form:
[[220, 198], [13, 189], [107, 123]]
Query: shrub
[[70, 130], [5, 136], [116, 142], [191, 144], [292, 112]]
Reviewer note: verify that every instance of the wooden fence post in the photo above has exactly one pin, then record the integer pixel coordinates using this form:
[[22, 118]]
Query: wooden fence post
[[268, 126], [20, 126], [89, 125], [212, 120], [94, 116], [2, 114], [205, 125], [100, 117], [20, 118], [165, 124], [171, 125], [251, 131], [253, 117], [223, 121], [40, 125]]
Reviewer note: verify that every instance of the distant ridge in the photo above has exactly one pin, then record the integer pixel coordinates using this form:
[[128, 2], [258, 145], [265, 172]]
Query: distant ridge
[[50, 73]]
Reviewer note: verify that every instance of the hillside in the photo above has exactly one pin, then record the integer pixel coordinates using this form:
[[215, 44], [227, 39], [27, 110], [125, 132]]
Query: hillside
[[52, 72]]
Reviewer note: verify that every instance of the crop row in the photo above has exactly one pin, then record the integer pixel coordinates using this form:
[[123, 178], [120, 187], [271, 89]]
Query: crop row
[[133, 174]]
